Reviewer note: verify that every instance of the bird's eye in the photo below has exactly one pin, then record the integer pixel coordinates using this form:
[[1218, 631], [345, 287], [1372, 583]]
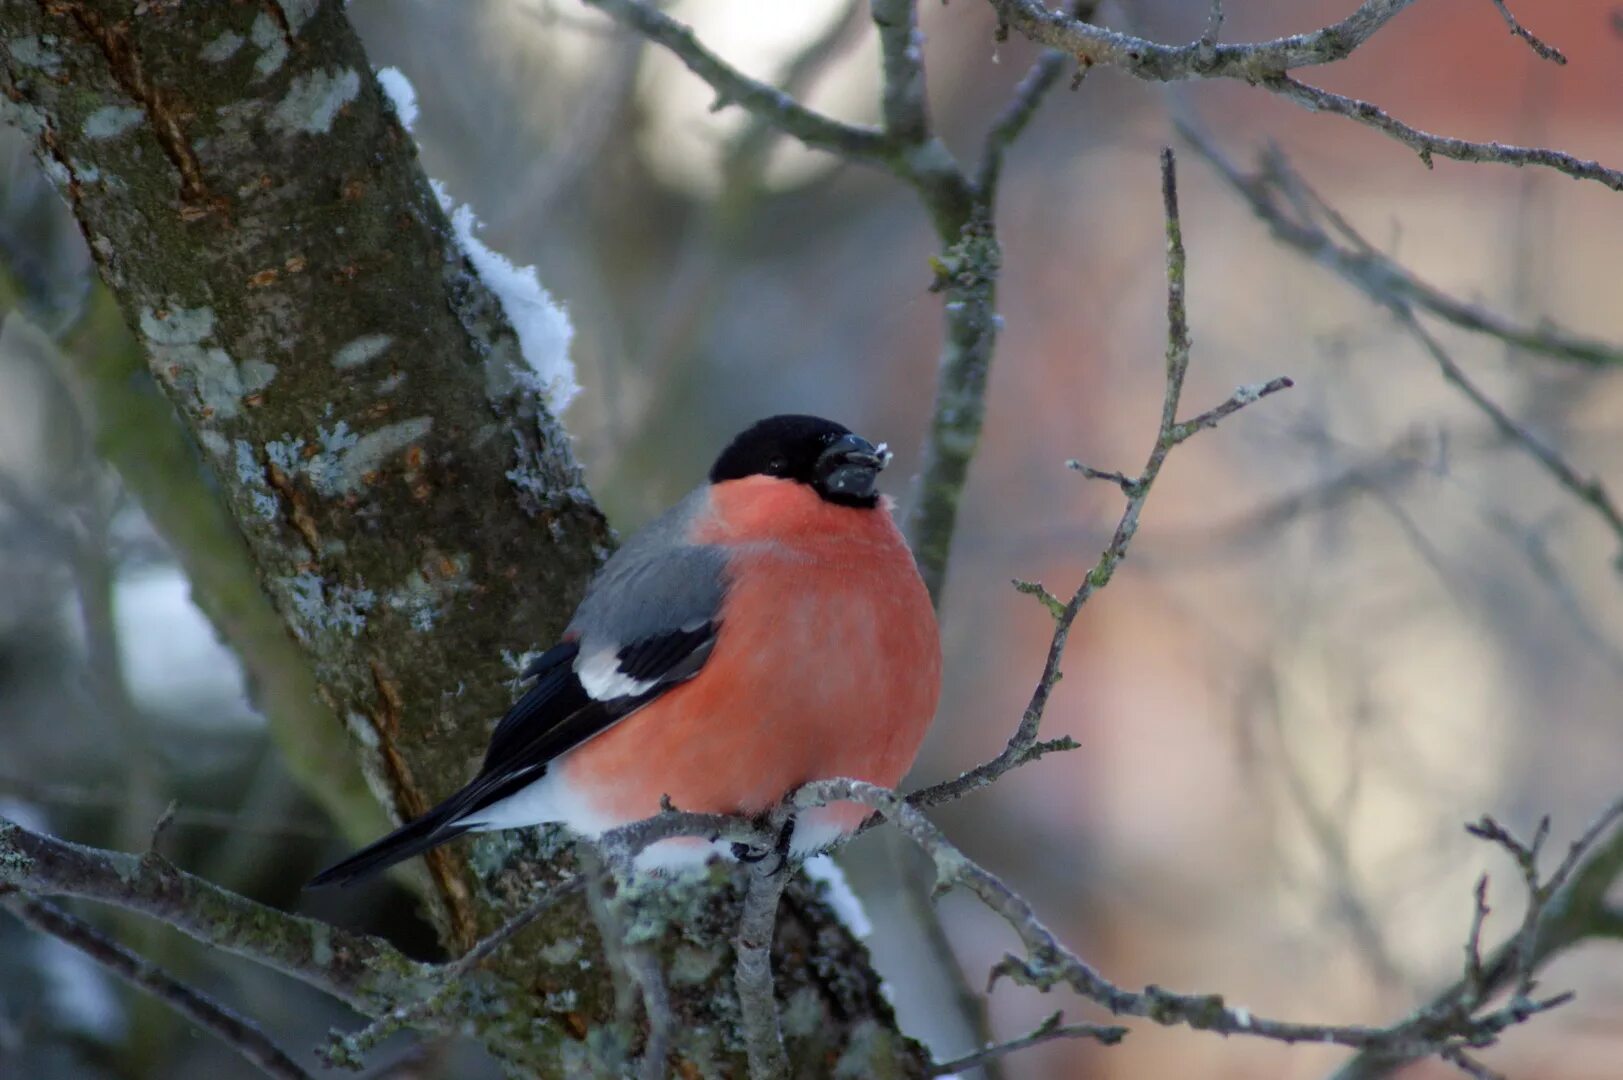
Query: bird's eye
[[778, 465]]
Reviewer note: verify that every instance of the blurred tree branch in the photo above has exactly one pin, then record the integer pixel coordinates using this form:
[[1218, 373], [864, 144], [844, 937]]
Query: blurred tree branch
[[1301, 220], [366, 973], [240, 1034], [1267, 63], [1377, 275]]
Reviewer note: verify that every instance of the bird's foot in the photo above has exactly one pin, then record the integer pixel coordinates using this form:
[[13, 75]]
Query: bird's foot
[[751, 855]]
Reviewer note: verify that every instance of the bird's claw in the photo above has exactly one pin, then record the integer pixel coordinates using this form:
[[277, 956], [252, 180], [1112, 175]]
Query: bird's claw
[[750, 855]]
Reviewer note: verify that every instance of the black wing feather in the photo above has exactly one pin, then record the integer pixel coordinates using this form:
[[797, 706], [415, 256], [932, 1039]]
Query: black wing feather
[[554, 715]]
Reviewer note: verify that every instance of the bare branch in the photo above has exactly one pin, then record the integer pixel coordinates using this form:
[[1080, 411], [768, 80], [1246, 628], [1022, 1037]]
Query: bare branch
[[1474, 978], [1045, 71], [1047, 963], [1236, 401], [1168, 63], [231, 1028], [1428, 145], [1214, 24], [366, 973], [1548, 52], [1571, 907], [349, 1051], [1047, 1031], [1386, 283], [1587, 489], [745, 158], [903, 101], [1023, 746], [100, 798], [1373, 273], [1126, 483], [733, 87], [1268, 63]]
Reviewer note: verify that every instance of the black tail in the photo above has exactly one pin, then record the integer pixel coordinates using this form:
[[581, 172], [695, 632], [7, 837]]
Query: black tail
[[413, 838]]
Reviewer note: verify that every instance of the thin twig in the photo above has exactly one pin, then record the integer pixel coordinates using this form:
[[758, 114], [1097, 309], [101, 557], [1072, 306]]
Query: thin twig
[[1048, 963], [1548, 52], [1214, 23], [1390, 286], [745, 158], [1049, 1030], [1267, 64], [903, 101], [1469, 1065], [851, 141], [1571, 907], [1474, 977], [57, 794], [1023, 745], [1044, 73], [1429, 146], [348, 1050], [1586, 489], [603, 889], [236, 1031], [1372, 272]]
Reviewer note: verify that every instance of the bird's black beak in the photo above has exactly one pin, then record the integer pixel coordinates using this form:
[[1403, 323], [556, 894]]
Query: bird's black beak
[[848, 470]]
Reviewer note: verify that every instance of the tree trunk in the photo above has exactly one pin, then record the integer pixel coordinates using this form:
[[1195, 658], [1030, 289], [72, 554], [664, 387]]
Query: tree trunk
[[413, 511]]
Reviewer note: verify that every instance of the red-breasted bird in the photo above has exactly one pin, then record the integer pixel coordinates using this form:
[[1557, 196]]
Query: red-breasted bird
[[769, 629]]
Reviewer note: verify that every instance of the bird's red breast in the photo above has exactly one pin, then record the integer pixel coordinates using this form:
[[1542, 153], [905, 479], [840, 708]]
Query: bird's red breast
[[827, 663]]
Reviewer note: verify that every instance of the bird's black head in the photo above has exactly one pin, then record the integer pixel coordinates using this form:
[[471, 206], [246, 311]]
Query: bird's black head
[[841, 467]]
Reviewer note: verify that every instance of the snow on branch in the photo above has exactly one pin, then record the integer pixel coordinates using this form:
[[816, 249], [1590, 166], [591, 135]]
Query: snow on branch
[[401, 94], [543, 328]]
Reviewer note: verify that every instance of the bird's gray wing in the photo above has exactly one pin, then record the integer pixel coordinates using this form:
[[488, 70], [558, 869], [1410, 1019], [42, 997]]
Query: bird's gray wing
[[648, 622]]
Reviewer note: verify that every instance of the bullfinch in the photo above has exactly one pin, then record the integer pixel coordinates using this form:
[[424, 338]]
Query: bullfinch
[[768, 630]]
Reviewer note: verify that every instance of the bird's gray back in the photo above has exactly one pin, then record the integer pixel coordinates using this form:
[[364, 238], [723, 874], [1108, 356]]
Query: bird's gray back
[[657, 582]]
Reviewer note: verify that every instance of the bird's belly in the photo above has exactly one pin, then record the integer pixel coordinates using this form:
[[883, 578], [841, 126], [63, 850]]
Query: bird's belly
[[822, 668]]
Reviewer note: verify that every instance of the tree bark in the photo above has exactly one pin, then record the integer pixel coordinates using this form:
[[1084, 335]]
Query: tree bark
[[412, 510]]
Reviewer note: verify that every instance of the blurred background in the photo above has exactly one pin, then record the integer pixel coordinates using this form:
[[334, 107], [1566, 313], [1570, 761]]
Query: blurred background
[[1354, 618]]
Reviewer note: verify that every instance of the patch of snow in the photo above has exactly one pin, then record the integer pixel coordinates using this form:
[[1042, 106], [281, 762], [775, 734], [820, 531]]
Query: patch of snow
[[823, 868], [543, 329], [402, 95]]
